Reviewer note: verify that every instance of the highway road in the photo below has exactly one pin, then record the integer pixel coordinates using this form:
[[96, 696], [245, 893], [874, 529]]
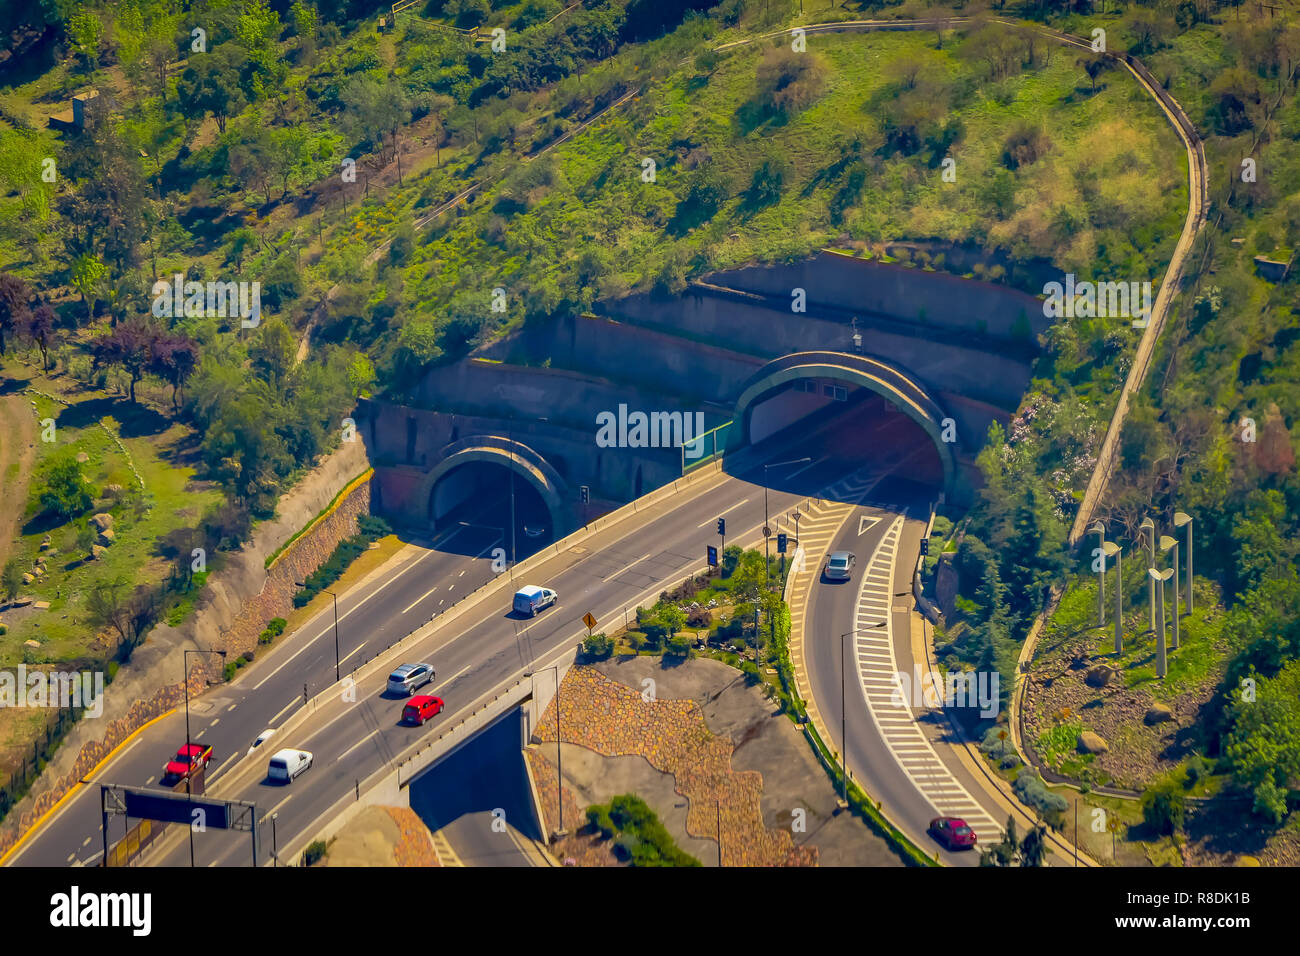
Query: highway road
[[418, 583], [900, 750], [487, 648]]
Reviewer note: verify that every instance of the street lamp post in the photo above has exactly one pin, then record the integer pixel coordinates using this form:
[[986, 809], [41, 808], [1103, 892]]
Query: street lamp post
[[766, 518], [1158, 579], [1101, 573], [844, 714], [1111, 550], [1171, 544], [1181, 520], [275, 850], [1148, 529], [336, 626], [185, 660]]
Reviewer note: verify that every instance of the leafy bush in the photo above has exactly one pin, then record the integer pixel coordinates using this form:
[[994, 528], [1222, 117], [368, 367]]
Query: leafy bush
[[1025, 145], [640, 839], [314, 852], [1031, 790], [598, 647], [1164, 808]]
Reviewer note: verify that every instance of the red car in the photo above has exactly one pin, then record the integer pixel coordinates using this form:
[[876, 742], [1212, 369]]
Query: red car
[[188, 759], [953, 833], [420, 708]]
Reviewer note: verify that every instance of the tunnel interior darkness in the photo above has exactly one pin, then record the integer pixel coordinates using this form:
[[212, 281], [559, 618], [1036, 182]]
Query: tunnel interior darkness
[[478, 493], [844, 428]]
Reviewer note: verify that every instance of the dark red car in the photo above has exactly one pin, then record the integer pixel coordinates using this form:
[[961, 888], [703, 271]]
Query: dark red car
[[420, 708], [953, 833]]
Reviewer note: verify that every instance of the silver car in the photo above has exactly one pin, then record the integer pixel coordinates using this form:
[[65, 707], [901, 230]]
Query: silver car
[[409, 678], [839, 566]]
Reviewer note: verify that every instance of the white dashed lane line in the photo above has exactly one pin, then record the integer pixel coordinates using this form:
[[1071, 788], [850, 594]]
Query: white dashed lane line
[[874, 650]]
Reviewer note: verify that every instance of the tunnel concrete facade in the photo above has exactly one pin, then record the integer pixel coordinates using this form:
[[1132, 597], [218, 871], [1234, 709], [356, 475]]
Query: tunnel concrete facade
[[506, 453], [954, 354], [907, 395]]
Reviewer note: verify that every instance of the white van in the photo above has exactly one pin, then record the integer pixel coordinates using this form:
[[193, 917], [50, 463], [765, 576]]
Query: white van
[[531, 599], [287, 764]]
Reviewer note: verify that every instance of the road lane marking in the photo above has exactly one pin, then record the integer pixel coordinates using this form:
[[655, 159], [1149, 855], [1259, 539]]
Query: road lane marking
[[281, 713], [22, 843], [628, 568], [234, 756], [419, 599], [325, 630], [343, 756], [714, 520], [359, 648]]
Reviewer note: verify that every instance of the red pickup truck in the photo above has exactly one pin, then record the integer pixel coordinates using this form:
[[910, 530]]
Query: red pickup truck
[[188, 759]]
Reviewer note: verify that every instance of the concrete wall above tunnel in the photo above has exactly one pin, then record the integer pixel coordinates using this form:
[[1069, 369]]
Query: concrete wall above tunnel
[[891, 383]]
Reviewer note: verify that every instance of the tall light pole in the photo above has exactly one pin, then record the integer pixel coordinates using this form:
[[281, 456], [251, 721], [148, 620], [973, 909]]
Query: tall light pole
[[766, 521], [1171, 544], [510, 446], [1111, 550], [1181, 520], [1148, 529], [1158, 579], [336, 626], [1101, 573], [189, 776], [844, 718]]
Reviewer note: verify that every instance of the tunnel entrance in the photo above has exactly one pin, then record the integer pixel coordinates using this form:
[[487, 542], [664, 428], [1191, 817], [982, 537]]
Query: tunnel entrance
[[477, 496], [844, 415], [856, 443]]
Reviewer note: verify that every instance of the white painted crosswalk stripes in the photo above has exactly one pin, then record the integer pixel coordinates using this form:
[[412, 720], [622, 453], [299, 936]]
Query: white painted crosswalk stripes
[[877, 670]]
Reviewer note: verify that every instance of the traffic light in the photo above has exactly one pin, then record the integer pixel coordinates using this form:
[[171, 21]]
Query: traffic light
[[713, 556], [925, 546], [586, 494], [780, 542], [722, 526]]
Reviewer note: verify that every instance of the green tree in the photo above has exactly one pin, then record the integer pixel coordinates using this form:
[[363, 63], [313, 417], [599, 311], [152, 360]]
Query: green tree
[[85, 31], [1005, 852], [210, 84], [1263, 742], [63, 494], [88, 276], [1033, 848], [1262, 548], [673, 618], [273, 352], [11, 579]]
